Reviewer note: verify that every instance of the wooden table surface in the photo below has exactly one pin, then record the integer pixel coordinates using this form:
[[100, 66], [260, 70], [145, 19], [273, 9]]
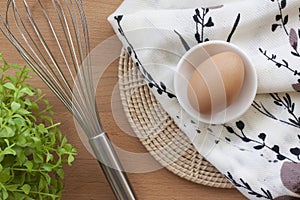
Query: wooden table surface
[[85, 180]]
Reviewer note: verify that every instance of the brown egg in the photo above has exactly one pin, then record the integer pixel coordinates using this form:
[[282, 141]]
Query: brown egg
[[216, 82]]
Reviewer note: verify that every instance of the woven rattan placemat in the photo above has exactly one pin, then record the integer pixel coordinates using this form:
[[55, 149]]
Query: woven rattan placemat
[[158, 132]]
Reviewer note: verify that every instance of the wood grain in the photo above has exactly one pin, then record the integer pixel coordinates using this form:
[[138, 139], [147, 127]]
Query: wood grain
[[85, 180]]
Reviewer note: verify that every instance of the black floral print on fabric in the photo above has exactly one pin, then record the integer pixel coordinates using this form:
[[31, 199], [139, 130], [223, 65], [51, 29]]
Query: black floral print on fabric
[[261, 143], [282, 101], [266, 194], [160, 87], [296, 151], [290, 177], [201, 21], [293, 36], [287, 158], [182, 40], [281, 21], [283, 63]]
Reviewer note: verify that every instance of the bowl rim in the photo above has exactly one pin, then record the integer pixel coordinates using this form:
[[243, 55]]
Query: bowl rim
[[226, 115]]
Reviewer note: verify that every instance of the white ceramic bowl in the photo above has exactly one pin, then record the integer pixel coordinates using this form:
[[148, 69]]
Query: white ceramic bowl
[[192, 59]]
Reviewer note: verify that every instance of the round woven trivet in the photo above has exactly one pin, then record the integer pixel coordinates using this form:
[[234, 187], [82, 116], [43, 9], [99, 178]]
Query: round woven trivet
[[158, 132]]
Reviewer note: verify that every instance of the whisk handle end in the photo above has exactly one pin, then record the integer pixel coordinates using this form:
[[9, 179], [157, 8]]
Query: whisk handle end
[[112, 167]]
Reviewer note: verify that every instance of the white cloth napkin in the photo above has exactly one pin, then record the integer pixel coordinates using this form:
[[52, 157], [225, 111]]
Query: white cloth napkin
[[260, 152]]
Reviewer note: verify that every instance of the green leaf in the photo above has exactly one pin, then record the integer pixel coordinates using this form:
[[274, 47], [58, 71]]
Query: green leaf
[[47, 118], [23, 111], [20, 179], [70, 159], [26, 188], [60, 173], [15, 106], [42, 129], [34, 106], [27, 102], [11, 122], [47, 177], [1, 88], [38, 158], [64, 141], [21, 141], [27, 91], [48, 167], [6, 132], [42, 184], [14, 66], [5, 175], [21, 159], [28, 164], [68, 147], [12, 188], [10, 86], [21, 196], [12, 79], [6, 142], [4, 194], [49, 157], [9, 151]]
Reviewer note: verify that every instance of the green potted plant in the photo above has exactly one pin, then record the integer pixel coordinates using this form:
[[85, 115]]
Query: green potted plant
[[32, 148]]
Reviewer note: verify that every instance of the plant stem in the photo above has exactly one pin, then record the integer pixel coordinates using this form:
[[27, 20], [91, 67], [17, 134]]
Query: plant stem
[[40, 193], [26, 170]]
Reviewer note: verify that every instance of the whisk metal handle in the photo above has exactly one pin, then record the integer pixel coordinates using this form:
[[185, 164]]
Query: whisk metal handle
[[111, 167]]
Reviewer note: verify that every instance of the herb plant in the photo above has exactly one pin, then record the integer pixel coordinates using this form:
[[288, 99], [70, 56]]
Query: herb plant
[[32, 148]]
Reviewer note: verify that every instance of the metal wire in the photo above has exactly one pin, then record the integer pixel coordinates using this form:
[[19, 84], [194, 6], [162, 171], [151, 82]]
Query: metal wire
[[65, 25], [66, 69]]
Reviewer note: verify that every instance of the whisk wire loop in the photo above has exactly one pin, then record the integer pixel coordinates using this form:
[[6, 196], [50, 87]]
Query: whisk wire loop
[[58, 52]]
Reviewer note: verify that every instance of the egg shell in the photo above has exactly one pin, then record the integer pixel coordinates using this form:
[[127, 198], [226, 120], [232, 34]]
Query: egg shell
[[216, 82]]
